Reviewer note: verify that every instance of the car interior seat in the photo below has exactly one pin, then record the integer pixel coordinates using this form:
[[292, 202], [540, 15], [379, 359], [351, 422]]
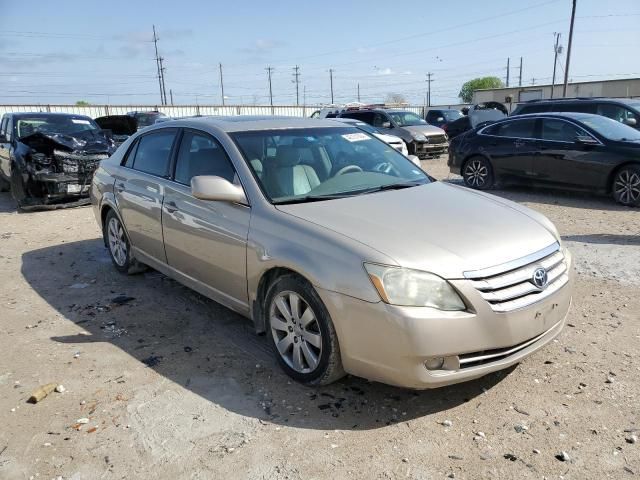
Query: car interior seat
[[285, 176]]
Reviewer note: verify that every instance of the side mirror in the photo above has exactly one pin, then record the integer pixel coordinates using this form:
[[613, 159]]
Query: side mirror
[[386, 124], [586, 140], [415, 160], [209, 187], [631, 122]]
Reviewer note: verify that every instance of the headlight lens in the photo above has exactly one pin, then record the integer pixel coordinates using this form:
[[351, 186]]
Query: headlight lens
[[419, 137], [406, 287]]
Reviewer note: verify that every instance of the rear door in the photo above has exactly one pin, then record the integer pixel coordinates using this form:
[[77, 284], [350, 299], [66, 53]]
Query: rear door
[[563, 160], [139, 190], [512, 146], [206, 240]]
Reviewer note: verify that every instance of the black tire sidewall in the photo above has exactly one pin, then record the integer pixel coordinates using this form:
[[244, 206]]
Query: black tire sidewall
[[632, 169], [306, 291], [490, 179], [125, 268]]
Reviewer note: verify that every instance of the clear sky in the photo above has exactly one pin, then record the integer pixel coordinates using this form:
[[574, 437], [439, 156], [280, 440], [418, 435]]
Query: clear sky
[[64, 51]]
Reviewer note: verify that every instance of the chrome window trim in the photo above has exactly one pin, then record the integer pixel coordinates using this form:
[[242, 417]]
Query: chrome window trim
[[541, 117], [513, 264]]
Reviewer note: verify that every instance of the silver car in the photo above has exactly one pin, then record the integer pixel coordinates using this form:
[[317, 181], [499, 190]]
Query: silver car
[[349, 257]]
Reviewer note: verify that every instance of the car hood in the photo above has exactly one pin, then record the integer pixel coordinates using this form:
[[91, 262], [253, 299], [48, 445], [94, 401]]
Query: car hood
[[388, 138], [118, 124], [425, 129], [439, 228]]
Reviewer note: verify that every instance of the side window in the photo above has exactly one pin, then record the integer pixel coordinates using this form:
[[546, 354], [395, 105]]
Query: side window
[[9, 128], [535, 109], [3, 126], [514, 129], [379, 119], [200, 154], [615, 112], [432, 116], [131, 154], [575, 107], [153, 152], [560, 131], [366, 117]]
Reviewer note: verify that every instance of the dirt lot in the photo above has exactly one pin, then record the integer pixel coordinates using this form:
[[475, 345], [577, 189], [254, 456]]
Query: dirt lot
[[174, 386]]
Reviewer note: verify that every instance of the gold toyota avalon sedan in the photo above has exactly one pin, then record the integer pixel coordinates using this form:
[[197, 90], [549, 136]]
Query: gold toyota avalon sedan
[[349, 257]]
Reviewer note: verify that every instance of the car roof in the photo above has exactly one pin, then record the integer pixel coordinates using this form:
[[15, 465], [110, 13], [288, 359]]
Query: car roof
[[569, 115], [243, 123], [577, 100], [46, 114]]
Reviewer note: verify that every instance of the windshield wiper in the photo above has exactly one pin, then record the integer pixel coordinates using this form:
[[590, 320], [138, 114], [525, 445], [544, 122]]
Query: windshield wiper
[[391, 186], [310, 198]]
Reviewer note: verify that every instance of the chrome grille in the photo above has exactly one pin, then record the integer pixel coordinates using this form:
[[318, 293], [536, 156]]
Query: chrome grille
[[436, 139], [513, 288]]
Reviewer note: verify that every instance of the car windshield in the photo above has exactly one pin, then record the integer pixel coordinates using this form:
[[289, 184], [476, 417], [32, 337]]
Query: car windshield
[[146, 119], [611, 129], [451, 115], [367, 128], [50, 124], [406, 119], [311, 164]]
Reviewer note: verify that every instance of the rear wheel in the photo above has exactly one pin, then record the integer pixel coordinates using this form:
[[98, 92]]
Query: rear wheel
[[119, 246], [626, 186], [477, 173], [303, 337]]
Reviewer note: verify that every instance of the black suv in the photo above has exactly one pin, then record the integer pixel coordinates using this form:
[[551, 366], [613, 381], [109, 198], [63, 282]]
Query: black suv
[[442, 116], [623, 110]]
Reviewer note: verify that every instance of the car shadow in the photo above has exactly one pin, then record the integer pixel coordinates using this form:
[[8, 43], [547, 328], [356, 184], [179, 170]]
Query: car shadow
[[210, 350], [605, 239]]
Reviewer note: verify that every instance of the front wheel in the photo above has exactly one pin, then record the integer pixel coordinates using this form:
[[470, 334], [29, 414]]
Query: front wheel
[[477, 173], [626, 186], [303, 337]]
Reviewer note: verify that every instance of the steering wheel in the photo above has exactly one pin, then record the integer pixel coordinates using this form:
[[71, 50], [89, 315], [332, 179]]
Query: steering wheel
[[383, 167], [348, 169]]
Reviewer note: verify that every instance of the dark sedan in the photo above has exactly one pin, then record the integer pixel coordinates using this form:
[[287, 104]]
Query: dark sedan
[[566, 150], [48, 159]]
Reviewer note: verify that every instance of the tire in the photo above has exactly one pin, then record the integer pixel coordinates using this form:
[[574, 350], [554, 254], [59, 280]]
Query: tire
[[118, 245], [17, 188], [5, 186], [304, 343], [626, 186], [477, 173]]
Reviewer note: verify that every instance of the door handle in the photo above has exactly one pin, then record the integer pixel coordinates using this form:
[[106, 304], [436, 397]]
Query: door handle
[[171, 207]]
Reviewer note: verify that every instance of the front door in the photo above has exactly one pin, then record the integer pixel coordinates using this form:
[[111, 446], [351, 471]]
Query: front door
[[563, 159], [139, 191], [206, 240]]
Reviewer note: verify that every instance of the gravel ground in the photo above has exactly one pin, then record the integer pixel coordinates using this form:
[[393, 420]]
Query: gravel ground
[[171, 385]]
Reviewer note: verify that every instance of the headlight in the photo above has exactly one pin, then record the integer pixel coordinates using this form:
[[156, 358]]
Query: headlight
[[419, 137], [406, 287]]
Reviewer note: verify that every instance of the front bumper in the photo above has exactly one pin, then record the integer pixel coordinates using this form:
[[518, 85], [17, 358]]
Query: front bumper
[[426, 150], [390, 344]]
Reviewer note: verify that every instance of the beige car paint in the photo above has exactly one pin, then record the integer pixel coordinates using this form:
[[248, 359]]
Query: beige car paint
[[223, 250]]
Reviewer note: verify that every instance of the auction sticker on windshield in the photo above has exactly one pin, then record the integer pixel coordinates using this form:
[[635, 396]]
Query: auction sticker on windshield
[[355, 137]]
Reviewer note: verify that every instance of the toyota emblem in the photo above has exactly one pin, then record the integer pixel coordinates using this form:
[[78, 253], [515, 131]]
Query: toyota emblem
[[540, 278]]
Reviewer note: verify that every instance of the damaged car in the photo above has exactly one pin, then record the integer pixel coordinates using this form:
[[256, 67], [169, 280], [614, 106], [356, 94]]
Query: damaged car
[[47, 160]]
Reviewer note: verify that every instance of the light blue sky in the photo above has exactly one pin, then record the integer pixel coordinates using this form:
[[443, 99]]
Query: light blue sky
[[60, 52]]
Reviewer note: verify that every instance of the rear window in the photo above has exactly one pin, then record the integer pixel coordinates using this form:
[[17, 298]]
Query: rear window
[[153, 152]]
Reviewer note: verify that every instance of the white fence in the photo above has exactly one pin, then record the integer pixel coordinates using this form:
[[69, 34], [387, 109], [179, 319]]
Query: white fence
[[96, 111]]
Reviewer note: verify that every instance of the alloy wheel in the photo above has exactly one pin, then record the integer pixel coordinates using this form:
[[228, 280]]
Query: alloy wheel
[[476, 173], [627, 187], [295, 331], [117, 242]]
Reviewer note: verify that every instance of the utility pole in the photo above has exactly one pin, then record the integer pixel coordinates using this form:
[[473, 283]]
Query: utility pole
[[331, 81], [508, 71], [520, 78], [429, 89], [304, 95], [566, 69], [171, 95], [556, 51], [533, 81], [155, 43], [269, 70], [164, 89], [221, 85], [296, 76], [358, 91]]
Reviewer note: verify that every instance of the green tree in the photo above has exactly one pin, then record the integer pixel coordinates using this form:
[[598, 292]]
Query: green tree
[[466, 92], [82, 103]]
